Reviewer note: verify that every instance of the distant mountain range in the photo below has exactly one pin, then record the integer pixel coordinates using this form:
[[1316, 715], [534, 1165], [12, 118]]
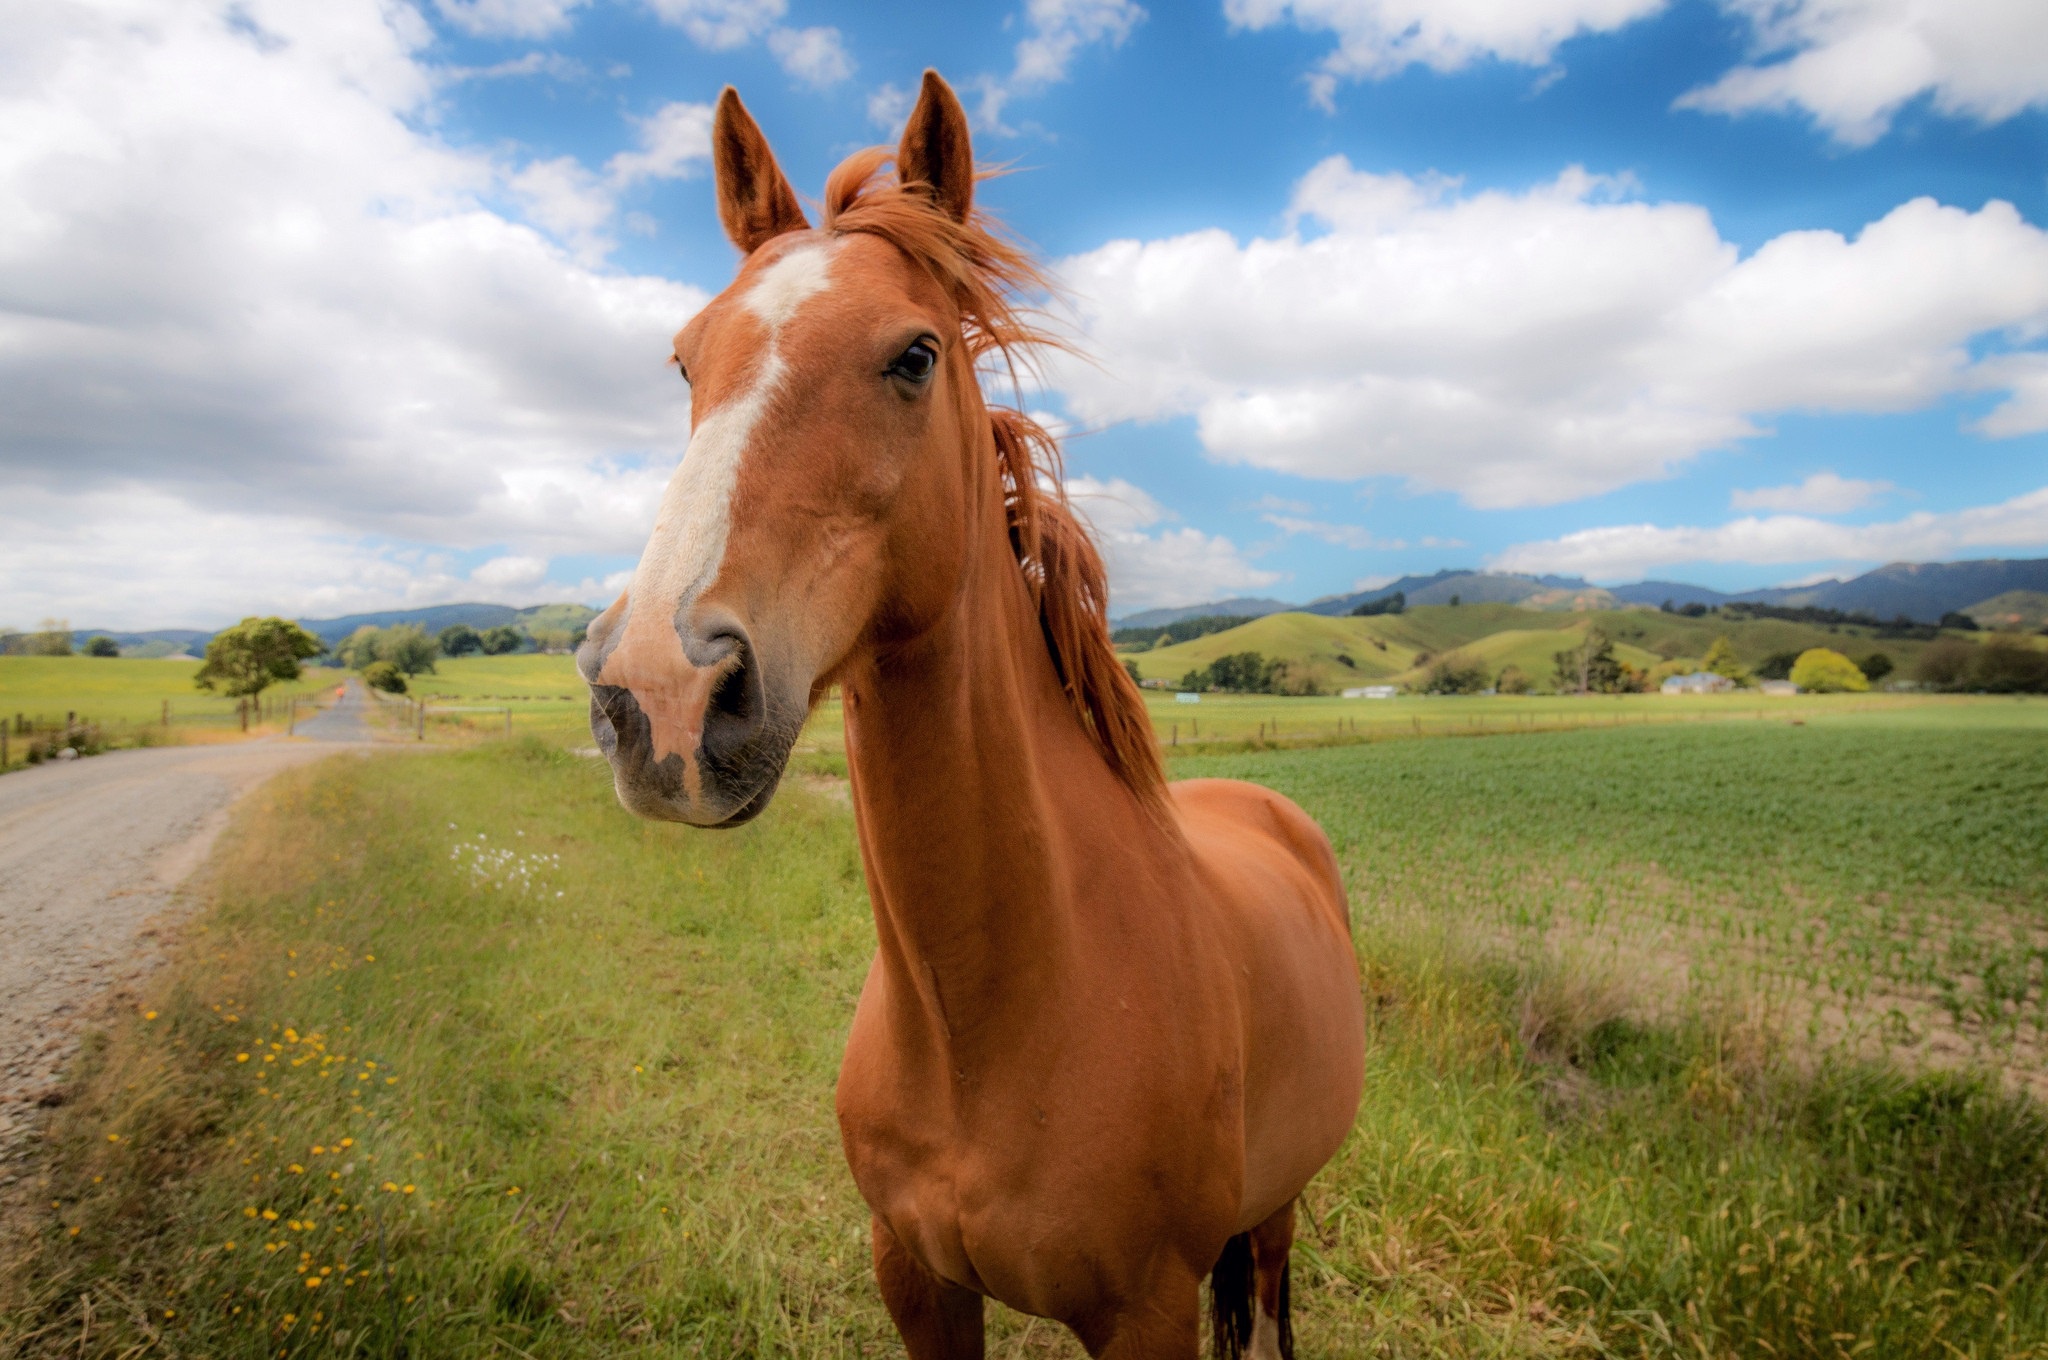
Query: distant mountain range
[[433, 618], [1922, 591]]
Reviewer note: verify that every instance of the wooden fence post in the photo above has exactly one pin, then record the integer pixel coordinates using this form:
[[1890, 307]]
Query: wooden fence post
[[291, 722], [421, 735]]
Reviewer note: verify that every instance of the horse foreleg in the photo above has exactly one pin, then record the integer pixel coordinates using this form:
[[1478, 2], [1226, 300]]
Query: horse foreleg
[[1166, 1324], [938, 1321]]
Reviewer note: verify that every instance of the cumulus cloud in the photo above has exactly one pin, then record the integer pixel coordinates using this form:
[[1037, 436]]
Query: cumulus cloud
[[1626, 551], [1378, 38], [1537, 347], [1056, 32], [1824, 493], [241, 295], [509, 18], [1852, 64], [816, 56], [889, 108], [1151, 563]]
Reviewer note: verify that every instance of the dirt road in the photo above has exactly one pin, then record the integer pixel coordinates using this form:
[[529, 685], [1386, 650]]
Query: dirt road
[[92, 853]]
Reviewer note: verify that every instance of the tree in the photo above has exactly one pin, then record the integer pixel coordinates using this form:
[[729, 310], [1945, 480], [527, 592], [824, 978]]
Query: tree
[[2007, 665], [408, 647], [1875, 667], [1512, 680], [1386, 604], [249, 657], [1945, 665], [1590, 667], [1452, 676], [102, 645], [1826, 671], [53, 639], [1722, 661], [1131, 669], [385, 676], [1954, 620], [1776, 666], [459, 639], [502, 639]]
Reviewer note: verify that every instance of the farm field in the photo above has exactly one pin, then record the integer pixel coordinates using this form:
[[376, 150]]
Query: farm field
[[518, 1074], [123, 690]]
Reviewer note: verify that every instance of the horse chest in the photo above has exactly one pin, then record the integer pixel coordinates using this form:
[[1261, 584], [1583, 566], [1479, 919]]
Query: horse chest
[[1045, 1191]]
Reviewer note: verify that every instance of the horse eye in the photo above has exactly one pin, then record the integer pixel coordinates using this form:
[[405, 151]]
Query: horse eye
[[916, 363]]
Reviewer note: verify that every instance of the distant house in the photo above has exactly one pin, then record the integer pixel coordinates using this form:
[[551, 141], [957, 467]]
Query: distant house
[[1372, 692], [1778, 687], [1699, 682]]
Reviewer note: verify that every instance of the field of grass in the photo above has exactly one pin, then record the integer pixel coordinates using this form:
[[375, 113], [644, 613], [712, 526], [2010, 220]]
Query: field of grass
[[118, 690], [510, 1073], [1397, 648]]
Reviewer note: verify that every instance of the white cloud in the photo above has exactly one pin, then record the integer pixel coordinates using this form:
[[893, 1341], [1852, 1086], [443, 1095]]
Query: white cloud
[[1058, 31], [1626, 551], [1379, 38], [721, 25], [675, 142], [1153, 565], [1536, 347], [1336, 535], [816, 56], [509, 18], [889, 109], [1824, 493], [510, 573], [250, 316], [1852, 64]]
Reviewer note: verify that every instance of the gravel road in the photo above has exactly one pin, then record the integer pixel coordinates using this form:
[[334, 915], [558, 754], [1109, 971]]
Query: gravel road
[[92, 853]]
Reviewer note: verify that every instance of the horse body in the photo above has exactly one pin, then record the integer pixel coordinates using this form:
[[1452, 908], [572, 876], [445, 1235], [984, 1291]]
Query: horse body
[[1111, 1029]]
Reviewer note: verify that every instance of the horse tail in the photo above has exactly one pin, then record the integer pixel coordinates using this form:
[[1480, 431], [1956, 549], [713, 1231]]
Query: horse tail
[[1232, 1288]]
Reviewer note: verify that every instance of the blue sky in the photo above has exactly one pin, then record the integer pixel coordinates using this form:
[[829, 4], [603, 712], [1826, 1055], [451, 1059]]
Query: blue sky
[[1726, 291]]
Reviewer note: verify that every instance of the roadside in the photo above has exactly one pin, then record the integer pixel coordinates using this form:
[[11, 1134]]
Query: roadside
[[92, 856]]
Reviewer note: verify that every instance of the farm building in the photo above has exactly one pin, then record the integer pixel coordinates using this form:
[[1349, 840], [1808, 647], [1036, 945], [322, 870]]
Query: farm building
[[1699, 682], [1371, 692]]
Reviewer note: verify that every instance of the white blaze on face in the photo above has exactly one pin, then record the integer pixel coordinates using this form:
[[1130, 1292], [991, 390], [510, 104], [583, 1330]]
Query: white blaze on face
[[687, 547]]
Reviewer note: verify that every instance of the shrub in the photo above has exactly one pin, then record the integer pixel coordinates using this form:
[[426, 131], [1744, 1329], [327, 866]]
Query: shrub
[[1825, 671], [102, 646], [1876, 666], [1952, 619], [1945, 665], [1513, 680], [2006, 665], [1453, 676], [385, 676]]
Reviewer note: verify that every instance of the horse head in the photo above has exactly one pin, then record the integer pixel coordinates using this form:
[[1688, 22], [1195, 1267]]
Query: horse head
[[820, 501]]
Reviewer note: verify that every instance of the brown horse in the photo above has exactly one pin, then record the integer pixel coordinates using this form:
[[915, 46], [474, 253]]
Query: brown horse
[[1112, 1028]]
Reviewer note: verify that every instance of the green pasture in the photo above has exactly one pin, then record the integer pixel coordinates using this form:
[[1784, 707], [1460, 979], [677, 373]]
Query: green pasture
[[121, 690], [511, 1073]]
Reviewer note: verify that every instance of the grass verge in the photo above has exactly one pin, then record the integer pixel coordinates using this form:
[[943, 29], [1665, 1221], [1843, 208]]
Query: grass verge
[[508, 1072]]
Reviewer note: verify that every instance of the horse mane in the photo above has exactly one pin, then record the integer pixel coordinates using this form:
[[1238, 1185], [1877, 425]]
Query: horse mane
[[986, 272]]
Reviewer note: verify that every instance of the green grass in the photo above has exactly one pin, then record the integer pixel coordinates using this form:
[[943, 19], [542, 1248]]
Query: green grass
[[614, 1105], [120, 690]]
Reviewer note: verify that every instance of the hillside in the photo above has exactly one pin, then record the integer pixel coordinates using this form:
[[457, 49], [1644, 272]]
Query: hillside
[[2027, 609], [1339, 652]]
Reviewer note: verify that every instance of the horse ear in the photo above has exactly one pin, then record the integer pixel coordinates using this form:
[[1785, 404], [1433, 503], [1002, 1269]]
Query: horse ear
[[755, 202], [937, 151]]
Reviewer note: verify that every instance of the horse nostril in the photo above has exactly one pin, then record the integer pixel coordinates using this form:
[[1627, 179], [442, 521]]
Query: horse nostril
[[734, 712]]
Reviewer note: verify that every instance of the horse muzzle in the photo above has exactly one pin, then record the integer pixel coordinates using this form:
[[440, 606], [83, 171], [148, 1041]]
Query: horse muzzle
[[696, 733]]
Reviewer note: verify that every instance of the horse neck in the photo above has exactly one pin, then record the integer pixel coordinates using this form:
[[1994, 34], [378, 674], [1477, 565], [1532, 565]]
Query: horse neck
[[978, 794]]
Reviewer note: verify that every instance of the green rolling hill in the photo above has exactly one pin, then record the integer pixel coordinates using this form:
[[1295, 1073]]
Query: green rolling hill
[[1338, 653]]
